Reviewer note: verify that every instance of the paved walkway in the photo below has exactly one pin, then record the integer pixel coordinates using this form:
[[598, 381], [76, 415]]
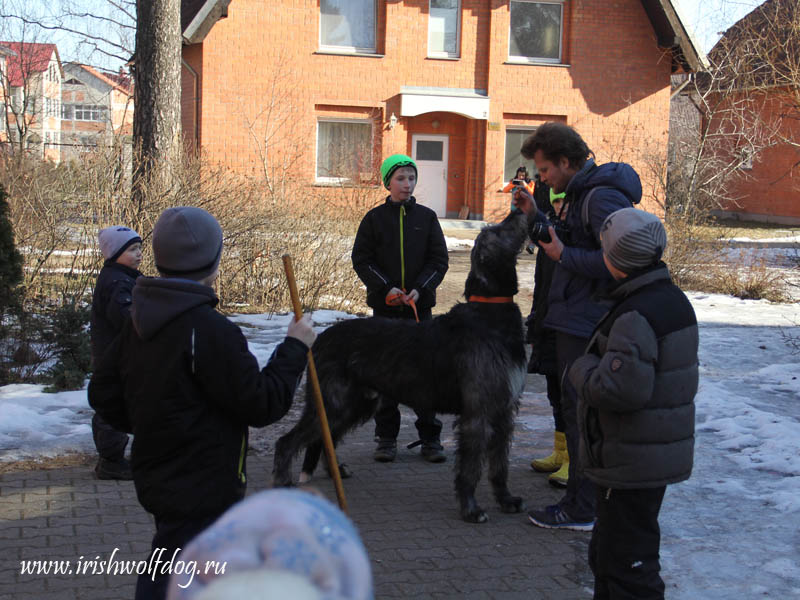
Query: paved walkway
[[406, 512]]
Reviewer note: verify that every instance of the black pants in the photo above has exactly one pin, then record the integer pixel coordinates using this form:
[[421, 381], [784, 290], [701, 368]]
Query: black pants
[[387, 417], [623, 552], [579, 500], [109, 442], [170, 535], [554, 396]]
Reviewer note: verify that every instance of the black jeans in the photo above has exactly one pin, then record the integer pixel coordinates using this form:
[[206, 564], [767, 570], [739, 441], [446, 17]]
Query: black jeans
[[579, 500], [387, 417], [170, 535], [554, 396], [623, 552]]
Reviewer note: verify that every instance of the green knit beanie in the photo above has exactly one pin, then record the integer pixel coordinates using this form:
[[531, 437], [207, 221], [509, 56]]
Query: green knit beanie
[[394, 162], [554, 196]]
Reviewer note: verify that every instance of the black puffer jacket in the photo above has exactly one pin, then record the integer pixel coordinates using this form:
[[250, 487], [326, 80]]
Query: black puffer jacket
[[382, 263], [111, 304], [181, 379], [636, 385]]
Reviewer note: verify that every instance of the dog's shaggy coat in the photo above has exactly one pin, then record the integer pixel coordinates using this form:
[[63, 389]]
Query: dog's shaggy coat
[[469, 362]]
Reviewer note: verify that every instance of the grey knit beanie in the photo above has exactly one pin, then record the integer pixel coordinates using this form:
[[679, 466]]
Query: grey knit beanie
[[633, 239], [187, 242], [115, 239]]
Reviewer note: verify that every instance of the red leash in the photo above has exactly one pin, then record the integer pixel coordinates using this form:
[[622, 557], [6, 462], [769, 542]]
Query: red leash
[[491, 299]]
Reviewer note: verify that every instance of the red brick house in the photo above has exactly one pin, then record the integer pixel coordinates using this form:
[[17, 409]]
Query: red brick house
[[327, 88], [759, 55]]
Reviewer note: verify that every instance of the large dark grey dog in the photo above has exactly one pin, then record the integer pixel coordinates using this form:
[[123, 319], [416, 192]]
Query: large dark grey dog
[[469, 362]]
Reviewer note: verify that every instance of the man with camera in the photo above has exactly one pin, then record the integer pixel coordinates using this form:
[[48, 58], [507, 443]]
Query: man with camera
[[575, 299]]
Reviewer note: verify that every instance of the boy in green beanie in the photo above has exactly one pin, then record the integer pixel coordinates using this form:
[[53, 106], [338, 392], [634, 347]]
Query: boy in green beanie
[[401, 256]]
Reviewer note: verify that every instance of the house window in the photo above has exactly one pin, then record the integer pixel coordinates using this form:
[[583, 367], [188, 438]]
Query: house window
[[344, 150], [444, 28], [347, 25], [514, 160], [89, 112], [535, 31], [67, 112]]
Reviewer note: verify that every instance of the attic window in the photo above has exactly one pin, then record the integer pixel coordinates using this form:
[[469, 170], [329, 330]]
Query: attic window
[[536, 31]]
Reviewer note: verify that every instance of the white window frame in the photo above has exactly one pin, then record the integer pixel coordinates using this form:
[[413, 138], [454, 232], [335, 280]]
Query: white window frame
[[457, 52], [97, 112], [535, 59], [352, 49], [323, 180], [526, 128]]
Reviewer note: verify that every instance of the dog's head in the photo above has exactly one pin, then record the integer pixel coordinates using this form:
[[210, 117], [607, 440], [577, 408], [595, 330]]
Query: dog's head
[[493, 268]]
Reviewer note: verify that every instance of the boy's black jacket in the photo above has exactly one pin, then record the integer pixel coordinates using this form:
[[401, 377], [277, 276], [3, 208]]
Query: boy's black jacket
[[111, 304], [376, 252], [181, 379]]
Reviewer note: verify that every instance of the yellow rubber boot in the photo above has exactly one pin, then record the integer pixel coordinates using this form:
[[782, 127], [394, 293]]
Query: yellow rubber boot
[[560, 477], [553, 462]]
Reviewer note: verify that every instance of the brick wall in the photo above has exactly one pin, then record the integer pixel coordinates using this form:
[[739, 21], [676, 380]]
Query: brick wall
[[613, 87]]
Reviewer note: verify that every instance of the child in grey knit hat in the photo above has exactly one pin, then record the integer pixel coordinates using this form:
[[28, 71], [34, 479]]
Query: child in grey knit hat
[[181, 378], [636, 384]]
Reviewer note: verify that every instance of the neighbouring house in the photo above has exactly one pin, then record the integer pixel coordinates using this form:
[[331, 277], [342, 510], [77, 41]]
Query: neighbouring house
[[757, 62], [4, 54], [96, 110], [31, 80], [323, 90]]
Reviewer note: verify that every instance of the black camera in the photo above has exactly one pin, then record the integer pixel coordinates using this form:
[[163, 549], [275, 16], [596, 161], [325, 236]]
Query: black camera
[[539, 231], [518, 182]]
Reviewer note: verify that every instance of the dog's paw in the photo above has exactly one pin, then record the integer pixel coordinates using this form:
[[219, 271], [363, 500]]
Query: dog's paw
[[304, 477], [281, 482], [475, 516], [512, 504]]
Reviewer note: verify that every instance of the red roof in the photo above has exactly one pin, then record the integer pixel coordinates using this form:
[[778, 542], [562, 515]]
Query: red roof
[[117, 80], [30, 58]]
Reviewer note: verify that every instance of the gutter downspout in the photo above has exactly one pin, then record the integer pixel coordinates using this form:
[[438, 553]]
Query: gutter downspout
[[195, 103], [682, 86]]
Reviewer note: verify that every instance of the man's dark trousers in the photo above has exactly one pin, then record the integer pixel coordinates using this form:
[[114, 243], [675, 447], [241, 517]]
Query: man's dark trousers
[[579, 500]]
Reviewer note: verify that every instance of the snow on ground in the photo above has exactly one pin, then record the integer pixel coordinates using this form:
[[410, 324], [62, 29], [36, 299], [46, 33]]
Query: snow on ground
[[458, 244], [732, 530]]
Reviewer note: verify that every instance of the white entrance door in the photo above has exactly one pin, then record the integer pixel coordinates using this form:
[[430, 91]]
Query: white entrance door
[[430, 154]]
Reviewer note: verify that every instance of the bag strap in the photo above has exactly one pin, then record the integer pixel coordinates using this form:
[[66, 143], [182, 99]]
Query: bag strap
[[585, 221]]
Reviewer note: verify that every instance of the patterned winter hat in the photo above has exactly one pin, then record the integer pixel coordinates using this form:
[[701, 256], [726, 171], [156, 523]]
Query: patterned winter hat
[[632, 239]]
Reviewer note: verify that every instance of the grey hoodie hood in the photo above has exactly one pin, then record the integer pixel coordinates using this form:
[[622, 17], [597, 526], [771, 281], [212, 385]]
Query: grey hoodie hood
[[157, 301]]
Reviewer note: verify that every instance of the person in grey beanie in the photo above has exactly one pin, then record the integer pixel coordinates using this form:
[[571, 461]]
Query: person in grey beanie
[[636, 385], [111, 305], [181, 379]]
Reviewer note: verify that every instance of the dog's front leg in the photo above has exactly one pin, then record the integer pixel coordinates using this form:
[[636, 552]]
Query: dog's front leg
[[469, 464], [499, 446]]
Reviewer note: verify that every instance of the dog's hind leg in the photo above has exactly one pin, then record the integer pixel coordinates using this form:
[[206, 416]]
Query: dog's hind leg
[[469, 464], [310, 461], [304, 433], [498, 451]]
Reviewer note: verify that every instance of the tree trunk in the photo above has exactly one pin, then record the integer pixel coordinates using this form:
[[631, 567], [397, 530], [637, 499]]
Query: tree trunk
[[157, 93]]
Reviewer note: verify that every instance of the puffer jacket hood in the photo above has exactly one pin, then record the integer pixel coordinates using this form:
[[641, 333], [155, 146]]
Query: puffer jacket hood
[[157, 301], [620, 176]]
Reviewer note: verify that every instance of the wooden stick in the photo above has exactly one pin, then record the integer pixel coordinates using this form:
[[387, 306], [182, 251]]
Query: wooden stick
[[313, 381]]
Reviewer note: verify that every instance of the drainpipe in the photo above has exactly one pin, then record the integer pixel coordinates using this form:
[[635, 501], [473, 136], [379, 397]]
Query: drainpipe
[[196, 101]]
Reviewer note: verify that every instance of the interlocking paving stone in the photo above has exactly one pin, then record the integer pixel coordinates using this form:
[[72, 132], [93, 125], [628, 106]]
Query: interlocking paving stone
[[406, 512]]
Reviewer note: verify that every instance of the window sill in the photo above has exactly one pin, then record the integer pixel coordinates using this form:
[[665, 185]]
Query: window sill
[[452, 58], [348, 53], [525, 63], [344, 184]]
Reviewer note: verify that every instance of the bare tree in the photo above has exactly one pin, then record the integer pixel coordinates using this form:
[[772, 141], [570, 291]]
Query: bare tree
[[157, 97], [746, 101]]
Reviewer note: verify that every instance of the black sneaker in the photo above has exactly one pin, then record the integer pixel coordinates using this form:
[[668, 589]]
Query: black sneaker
[[110, 469], [553, 517], [386, 451], [433, 452]]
